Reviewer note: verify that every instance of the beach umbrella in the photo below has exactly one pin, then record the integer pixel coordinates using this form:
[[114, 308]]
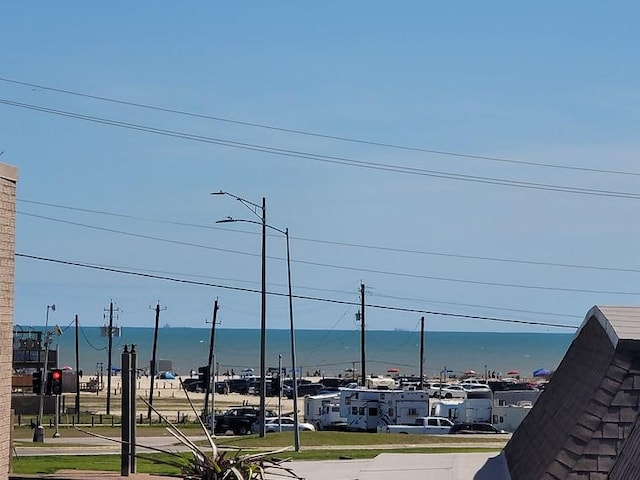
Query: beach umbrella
[[247, 370], [393, 370], [67, 367], [541, 372], [470, 372], [513, 372]]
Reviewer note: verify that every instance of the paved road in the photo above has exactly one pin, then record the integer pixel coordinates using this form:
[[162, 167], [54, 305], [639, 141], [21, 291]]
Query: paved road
[[451, 466], [88, 445]]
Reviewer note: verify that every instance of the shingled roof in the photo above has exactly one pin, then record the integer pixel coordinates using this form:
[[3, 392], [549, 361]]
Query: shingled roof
[[583, 426]]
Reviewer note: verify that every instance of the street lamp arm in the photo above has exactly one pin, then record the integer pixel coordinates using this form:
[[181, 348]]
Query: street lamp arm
[[253, 207], [237, 220]]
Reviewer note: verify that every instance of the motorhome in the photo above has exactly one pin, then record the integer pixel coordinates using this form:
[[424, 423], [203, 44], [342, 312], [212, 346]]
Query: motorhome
[[330, 418], [509, 417], [370, 410], [476, 407], [313, 406]]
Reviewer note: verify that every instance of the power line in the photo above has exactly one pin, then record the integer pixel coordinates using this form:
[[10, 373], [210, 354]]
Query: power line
[[318, 135], [343, 267], [333, 159], [301, 297], [339, 243], [473, 305]]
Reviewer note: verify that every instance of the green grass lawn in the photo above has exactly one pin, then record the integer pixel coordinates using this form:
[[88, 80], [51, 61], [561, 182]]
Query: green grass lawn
[[107, 463], [156, 463], [314, 446]]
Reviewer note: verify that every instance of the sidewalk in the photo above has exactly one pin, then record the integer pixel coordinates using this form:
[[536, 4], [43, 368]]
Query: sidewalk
[[408, 466]]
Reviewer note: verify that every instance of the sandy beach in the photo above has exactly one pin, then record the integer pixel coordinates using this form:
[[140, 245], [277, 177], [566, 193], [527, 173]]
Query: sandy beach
[[171, 400]]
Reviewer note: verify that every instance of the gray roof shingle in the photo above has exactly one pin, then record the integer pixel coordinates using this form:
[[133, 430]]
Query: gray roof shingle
[[584, 425]]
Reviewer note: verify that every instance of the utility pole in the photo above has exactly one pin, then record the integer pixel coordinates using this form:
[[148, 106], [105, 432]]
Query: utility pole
[[422, 353], [109, 352], [263, 327], [212, 341], [77, 406], [153, 355], [362, 337]]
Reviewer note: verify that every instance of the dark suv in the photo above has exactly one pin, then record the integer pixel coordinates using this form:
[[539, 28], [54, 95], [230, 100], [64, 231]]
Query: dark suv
[[478, 427], [193, 385], [238, 420]]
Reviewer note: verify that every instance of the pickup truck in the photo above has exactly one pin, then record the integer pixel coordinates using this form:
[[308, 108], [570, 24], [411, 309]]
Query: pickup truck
[[238, 420], [424, 426]]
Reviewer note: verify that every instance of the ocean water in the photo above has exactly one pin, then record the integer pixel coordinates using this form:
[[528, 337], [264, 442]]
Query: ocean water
[[327, 351]]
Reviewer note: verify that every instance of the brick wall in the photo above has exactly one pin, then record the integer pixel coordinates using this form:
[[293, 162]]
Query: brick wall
[[8, 179]]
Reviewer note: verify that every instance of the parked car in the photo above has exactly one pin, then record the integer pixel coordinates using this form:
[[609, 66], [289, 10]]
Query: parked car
[[433, 388], [350, 385], [451, 391], [478, 427], [305, 389], [284, 424], [238, 419], [193, 385], [424, 426], [238, 385], [222, 387]]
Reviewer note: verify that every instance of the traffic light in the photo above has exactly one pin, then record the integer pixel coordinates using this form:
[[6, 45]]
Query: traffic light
[[204, 374], [36, 382], [54, 382]]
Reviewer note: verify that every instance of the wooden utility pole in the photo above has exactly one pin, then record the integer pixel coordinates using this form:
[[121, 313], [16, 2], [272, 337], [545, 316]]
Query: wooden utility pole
[[422, 353], [362, 336], [153, 356], [77, 406], [212, 341], [109, 349]]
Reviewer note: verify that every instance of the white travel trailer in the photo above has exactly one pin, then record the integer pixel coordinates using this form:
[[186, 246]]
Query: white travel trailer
[[313, 406], [380, 383], [371, 410], [509, 417], [475, 408]]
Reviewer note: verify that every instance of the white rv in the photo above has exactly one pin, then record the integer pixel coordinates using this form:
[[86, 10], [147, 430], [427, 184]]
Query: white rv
[[330, 418], [380, 383], [509, 417], [372, 410], [313, 406], [476, 407]]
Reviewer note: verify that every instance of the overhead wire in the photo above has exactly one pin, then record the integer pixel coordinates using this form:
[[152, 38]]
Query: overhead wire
[[316, 134], [398, 169], [339, 243], [333, 159], [344, 267], [300, 297]]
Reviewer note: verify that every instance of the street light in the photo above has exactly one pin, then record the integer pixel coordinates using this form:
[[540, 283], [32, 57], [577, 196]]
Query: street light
[[253, 207], [285, 232], [39, 432]]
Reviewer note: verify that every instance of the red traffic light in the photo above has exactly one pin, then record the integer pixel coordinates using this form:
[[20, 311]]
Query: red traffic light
[[54, 382]]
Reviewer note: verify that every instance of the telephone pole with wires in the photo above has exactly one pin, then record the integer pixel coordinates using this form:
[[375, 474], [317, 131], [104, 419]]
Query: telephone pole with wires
[[153, 355], [108, 331], [360, 318]]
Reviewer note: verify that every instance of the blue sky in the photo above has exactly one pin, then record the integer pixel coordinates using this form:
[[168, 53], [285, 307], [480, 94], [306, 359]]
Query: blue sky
[[358, 97]]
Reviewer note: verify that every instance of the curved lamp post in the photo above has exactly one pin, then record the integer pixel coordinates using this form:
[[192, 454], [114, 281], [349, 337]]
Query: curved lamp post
[[254, 207], [38, 435], [285, 232]]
